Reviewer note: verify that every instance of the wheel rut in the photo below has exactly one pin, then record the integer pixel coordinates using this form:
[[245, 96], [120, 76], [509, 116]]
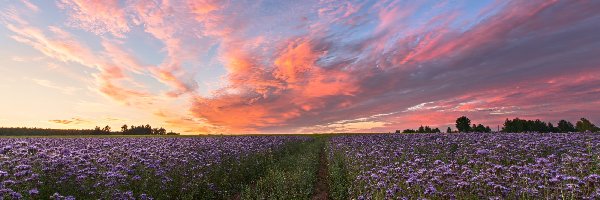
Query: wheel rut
[[321, 191]]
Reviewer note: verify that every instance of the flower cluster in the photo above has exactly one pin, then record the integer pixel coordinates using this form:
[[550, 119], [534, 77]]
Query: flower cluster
[[471, 166], [118, 168]]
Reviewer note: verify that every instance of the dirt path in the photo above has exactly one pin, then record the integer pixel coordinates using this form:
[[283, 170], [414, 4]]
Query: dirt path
[[321, 191]]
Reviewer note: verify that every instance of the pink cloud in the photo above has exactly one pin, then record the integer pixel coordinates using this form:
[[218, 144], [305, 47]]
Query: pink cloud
[[97, 16]]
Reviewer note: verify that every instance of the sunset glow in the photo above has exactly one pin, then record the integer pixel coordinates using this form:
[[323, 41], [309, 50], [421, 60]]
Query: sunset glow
[[263, 66]]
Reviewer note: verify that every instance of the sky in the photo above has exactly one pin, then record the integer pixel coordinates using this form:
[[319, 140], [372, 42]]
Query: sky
[[279, 66]]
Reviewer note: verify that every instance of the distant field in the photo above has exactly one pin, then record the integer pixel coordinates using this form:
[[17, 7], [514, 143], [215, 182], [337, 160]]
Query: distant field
[[318, 166]]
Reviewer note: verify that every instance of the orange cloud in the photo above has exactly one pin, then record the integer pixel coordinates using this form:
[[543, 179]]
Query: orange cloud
[[124, 95], [296, 62], [121, 57]]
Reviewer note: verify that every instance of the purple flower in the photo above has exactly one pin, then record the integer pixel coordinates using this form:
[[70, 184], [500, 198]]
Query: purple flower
[[482, 152], [33, 191]]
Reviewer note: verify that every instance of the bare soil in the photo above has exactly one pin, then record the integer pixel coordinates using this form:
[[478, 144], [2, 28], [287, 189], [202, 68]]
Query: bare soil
[[321, 191]]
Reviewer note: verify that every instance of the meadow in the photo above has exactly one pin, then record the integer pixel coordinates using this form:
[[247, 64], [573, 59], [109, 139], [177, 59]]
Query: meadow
[[340, 166]]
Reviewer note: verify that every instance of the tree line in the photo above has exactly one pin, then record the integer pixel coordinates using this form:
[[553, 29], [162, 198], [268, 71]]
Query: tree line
[[17, 131], [421, 129], [463, 125], [106, 130], [520, 125], [144, 130], [134, 130]]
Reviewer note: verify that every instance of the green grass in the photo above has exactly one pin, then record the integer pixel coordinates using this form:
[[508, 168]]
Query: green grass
[[292, 176], [339, 179]]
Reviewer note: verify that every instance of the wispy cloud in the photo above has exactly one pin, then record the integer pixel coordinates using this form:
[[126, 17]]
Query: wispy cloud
[[30, 5], [49, 84], [72, 121], [98, 17]]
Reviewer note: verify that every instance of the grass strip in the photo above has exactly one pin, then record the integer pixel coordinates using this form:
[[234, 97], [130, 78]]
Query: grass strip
[[291, 176]]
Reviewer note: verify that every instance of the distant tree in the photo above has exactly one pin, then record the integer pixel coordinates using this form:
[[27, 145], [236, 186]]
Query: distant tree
[[565, 126], [520, 125], [421, 129], [398, 131], [409, 131], [512, 126], [23, 131], [428, 130], [488, 129], [106, 129], [124, 128], [97, 130], [584, 125], [449, 130], [479, 128], [172, 133], [552, 129], [463, 124]]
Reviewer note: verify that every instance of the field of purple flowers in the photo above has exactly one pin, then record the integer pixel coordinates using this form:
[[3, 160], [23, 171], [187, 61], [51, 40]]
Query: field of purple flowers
[[125, 168], [465, 166]]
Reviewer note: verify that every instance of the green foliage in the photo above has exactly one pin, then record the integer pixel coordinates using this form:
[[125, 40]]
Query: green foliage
[[339, 179], [481, 129], [106, 130], [421, 129], [45, 132], [584, 125], [520, 125], [291, 176], [463, 124], [144, 130], [101, 131], [564, 126]]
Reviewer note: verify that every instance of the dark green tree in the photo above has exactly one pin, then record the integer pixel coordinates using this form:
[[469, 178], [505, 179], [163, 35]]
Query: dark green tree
[[428, 130], [584, 125], [463, 124], [449, 130], [421, 129], [97, 130], [479, 128], [106, 129], [565, 126], [552, 129], [409, 131]]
